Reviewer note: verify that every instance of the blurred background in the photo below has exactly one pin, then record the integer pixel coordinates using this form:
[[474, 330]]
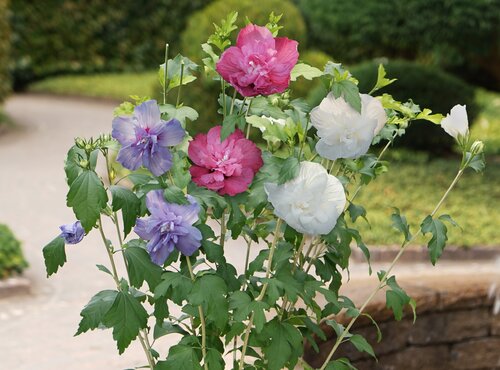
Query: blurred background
[[56, 54]]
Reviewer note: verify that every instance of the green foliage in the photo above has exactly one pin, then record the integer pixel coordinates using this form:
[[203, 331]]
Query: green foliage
[[93, 313], [429, 88], [302, 87], [439, 232], [11, 256], [126, 201], [54, 255], [201, 23], [4, 50], [461, 35], [99, 36]]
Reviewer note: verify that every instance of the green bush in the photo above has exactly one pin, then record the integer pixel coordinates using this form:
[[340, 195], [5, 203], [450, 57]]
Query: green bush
[[11, 257], [462, 35], [428, 87], [200, 24], [4, 50], [68, 36]]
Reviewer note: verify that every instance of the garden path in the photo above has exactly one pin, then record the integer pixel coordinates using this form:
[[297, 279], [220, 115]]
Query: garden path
[[36, 331]]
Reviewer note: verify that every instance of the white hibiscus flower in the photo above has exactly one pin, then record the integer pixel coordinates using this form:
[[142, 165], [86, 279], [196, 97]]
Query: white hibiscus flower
[[456, 122], [311, 203], [344, 132]]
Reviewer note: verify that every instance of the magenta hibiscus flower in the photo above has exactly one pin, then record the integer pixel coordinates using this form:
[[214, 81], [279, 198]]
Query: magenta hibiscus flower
[[259, 64], [226, 167]]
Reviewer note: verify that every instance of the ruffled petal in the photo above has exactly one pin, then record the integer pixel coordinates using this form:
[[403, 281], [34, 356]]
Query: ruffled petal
[[130, 157], [123, 130], [197, 150], [286, 57], [229, 63], [160, 161], [189, 243], [156, 203], [237, 184], [253, 34], [148, 114], [172, 134]]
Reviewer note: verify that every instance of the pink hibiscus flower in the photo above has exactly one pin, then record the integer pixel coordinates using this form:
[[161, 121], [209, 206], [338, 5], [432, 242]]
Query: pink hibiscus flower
[[226, 167], [259, 64]]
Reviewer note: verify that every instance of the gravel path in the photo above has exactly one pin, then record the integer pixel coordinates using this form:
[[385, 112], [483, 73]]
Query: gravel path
[[36, 331]]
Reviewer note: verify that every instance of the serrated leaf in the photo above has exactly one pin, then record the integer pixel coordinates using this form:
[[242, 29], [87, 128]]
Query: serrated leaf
[[362, 345], [93, 313], [306, 71], [166, 328], [209, 291], [71, 164], [439, 236], [381, 80], [127, 317], [179, 113], [284, 347], [174, 286], [399, 223], [356, 211], [181, 357], [54, 255], [229, 124], [396, 298], [87, 197], [214, 360], [127, 201], [173, 194], [140, 268], [174, 72], [289, 170], [349, 91]]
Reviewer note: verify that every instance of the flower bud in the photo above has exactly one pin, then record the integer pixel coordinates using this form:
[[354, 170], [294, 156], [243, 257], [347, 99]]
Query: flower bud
[[477, 147], [84, 163], [80, 143]]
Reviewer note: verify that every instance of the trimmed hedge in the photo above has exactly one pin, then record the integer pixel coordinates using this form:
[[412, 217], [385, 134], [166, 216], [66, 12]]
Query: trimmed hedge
[[201, 24], [428, 87], [68, 36], [462, 35], [11, 256], [4, 50]]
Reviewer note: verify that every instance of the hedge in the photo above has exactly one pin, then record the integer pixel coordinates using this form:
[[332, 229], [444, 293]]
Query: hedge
[[4, 50], [200, 24], [65, 36], [460, 35], [428, 87], [11, 257]]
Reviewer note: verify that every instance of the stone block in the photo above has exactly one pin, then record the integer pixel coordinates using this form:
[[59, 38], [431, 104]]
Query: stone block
[[474, 354]]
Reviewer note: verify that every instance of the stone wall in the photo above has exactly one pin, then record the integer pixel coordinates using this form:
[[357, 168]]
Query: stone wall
[[455, 329]]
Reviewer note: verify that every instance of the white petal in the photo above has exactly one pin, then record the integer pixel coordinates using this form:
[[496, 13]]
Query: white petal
[[456, 122], [372, 107]]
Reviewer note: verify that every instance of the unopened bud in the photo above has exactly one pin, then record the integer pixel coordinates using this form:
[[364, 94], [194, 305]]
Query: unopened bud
[[80, 143], [84, 163], [477, 147]]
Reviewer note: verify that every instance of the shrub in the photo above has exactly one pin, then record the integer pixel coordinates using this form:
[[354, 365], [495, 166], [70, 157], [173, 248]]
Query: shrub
[[450, 33], [11, 257], [428, 87], [65, 36], [200, 24], [4, 50]]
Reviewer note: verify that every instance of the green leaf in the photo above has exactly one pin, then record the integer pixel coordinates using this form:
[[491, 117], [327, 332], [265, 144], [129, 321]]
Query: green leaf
[[289, 170], [477, 163], [362, 345], [174, 72], [306, 71], [399, 223], [93, 313], [175, 286], [396, 298], [271, 132], [72, 163], [209, 291], [284, 347], [173, 194], [127, 317], [236, 219], [54, 255], [229, 125], [356, 211], [140, 268], [340, 364], [214, 360], [181, 357], [179, 113], [439, 236], [87, 197], [167, 328], [426, 115], [127, 201], [349, 91], [381, 80]]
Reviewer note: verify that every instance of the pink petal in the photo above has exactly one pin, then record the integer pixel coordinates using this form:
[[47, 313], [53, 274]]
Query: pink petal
[[286, 57], [229, 63], [237, 184], [197, 149], [252, 155], [252, 34]]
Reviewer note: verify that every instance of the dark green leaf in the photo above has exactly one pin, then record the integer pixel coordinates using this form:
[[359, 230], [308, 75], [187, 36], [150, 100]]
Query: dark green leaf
[[362, 345], [289, 170], [54, 255], [127, 317], [349, 91], [209, 291], [439, 236], [93, 313], [181, 357], [173, 194], [167, 328], [396, 298], [140, 268], [174, 286], [284, 347], [214, 360], [87, 197], [128, 202], [230, 123], [399, 223]]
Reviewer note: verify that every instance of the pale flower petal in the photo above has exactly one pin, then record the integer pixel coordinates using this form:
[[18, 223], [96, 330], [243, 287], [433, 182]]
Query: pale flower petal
[[456, 122], [298, 204]]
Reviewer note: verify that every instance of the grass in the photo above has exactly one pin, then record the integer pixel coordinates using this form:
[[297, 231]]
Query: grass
[[414, 184], [106, 85]]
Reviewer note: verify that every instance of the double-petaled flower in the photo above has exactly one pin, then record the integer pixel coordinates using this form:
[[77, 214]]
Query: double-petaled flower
[[145, 138], [169, 227], [72, 233], [311, 203], [344, 132], [259, 64], [227, 167]]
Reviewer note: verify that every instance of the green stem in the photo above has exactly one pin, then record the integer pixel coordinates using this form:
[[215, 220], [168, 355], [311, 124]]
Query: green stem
[[304, 140], [165, 77], [262, 292], [223, 88], [180, 85], [232, 102], [246, 115], [202, 321], [223, 229], [383, 280]]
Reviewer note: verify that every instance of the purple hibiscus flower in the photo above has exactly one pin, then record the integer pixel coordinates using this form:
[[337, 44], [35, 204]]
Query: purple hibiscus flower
[[145, 138], [169, 226], [72, 233]]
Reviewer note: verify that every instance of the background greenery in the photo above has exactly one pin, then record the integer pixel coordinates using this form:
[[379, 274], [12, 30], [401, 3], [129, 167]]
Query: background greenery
[[11, 257], [4, 50]]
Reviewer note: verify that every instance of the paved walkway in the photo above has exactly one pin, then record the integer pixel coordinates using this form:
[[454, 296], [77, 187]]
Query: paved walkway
[[36, 331]]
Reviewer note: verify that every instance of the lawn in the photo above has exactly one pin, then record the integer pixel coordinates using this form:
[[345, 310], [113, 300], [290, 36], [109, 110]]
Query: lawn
[[414, 183]]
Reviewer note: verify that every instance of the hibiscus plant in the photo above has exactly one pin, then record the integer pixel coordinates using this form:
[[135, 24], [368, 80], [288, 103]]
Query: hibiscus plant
[[289, 194]]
